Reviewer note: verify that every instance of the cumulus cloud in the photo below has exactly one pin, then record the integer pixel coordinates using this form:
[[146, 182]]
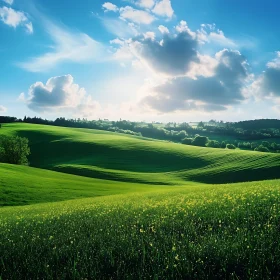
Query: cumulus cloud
[[146, 3], [214, 93], [172, 56], [163, 8], [68, 46], [59, 93], [15, 18], [3, 109], [110, 7], [267, 85], [137, 16], [163, 29]]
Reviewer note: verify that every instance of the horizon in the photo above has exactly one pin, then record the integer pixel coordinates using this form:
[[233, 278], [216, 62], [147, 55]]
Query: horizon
[[140, 60]]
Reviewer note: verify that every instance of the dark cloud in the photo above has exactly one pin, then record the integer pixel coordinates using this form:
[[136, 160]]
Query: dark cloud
[[213, 93], [171, 56]]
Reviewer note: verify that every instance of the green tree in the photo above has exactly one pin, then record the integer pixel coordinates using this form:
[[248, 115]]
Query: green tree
[[230, 147], [223, 145], [14, 150], [262, 148], [187, 141], [266, 144], [213, 144], [200, 141]]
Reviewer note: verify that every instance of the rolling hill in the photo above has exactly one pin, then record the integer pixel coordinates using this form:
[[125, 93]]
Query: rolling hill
[[132, 207], [118, 157]]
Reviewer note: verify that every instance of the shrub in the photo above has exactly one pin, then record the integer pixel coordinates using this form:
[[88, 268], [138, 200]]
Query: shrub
[[223, 144], [14, 150], [213, 144], [187, 141], [262, 148], [230, 147], [200, 141]]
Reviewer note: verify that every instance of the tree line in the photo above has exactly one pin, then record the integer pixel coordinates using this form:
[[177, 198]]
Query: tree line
[[245, 132]]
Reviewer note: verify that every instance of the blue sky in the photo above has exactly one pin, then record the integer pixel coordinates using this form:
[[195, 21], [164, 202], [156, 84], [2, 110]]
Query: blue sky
[[153, 60]]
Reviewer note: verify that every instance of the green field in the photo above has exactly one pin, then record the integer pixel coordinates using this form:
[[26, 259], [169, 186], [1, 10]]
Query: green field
[[126, 207]]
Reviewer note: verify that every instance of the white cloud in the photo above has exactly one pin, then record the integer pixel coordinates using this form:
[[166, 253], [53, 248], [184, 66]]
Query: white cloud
[[29, 27], [3, 109], [15, 18], [60, 93], [150, 35], [164, 8], [146, 3], [21, 97], [9, 2], [209, 34], [110, 7], [137, 16], [68, 46], [120, 28], [220, 38], [163, 29], [183, 27]]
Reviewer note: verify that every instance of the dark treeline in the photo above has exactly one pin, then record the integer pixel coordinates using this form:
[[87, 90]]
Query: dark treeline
[[245, 132]]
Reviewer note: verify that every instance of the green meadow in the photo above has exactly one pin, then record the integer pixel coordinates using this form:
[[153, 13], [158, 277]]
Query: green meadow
[[101, 205]]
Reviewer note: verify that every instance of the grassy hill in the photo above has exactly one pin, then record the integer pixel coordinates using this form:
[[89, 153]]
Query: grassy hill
[[21, 185], [135, 208], [112, 156]]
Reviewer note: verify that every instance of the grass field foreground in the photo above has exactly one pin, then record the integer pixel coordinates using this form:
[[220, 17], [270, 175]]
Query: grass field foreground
[[226, 232]]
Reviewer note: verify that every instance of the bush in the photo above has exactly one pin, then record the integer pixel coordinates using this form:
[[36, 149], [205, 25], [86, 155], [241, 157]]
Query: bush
[[223, 144], [213, 144], [230, 147], [187, 141], [262, 148], [200, 141], [14, 150]]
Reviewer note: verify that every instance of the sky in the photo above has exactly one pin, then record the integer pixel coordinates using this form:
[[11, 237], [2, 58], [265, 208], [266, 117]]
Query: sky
[[140, 60]]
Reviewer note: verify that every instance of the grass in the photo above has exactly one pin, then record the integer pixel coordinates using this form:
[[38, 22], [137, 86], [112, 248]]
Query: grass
[[106, 155], [210, 232], [21, 185], [126, 207]]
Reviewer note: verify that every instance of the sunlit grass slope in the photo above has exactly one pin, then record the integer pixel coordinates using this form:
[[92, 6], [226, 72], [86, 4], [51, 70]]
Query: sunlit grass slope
[[211, 232], [21, 185], [112, 156]]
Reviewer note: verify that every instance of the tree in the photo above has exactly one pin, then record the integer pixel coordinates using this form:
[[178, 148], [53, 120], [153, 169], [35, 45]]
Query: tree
[[262, 148], [200, 141], [230, 147], [200, 125], [187, 141], [213, 144], [14, 150], [266, 144]]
